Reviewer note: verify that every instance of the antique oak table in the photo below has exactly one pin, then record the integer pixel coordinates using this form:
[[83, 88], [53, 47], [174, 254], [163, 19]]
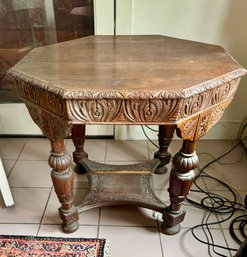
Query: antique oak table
[[180, 85]]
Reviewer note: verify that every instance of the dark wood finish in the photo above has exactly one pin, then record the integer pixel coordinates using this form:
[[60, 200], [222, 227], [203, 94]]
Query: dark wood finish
[[181, 178], [121, 185], [242, 252], [63, 180], [165, 137], [78, 137], [159, 80]]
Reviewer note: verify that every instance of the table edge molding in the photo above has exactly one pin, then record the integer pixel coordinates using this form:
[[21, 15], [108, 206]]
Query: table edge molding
[[138, 94]]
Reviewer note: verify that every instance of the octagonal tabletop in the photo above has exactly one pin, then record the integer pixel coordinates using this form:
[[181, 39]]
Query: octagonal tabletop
[[123, 64]]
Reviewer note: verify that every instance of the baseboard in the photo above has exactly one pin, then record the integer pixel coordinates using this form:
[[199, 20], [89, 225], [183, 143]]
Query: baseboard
[[15, 120], [223, 130], [243, 133]]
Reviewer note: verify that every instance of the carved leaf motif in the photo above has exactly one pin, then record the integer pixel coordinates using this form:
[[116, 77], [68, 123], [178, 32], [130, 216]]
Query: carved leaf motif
[[217, 112], [139, 95], [220, 94], [194, 104], [188, 128], [52, 126], [95, 110], [150, 110], [25, 79], [61, 128], [46, 124], [224, 92], [33, 113], [203, 122], [108, 95], [42, 98], [204, 100], [198, 126]]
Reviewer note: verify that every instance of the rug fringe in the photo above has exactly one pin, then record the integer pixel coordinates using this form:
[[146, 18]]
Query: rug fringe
[[107, 252]]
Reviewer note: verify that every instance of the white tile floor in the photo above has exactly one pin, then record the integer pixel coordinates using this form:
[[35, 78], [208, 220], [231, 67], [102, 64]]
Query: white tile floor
[[132, 232]]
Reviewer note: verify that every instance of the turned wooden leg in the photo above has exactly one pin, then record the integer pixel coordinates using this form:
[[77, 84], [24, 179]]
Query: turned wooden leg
[[181, 178], [63, 181], [78, 137], [165, 137]]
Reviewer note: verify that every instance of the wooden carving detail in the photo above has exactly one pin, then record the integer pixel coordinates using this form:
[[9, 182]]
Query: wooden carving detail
[[209, 118], [94, 110], [52, 126], [63, 181], [117, 106], [131, 110], [143, 107], [216, 114], [150, 110], [34, 113], [42, 98], [205, 100], [233, 78], [187, 128], [181, 177], [194, 104], [197, 126], [203, 123], [224, 92], [96, 167], [99, 192], [87, 95], [25, 79], [60, 161]]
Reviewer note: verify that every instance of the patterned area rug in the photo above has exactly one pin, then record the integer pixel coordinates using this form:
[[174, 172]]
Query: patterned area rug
[[22, 246]]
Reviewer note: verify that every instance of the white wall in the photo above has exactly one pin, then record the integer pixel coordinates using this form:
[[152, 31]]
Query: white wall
[[221, 22], [103, 17]]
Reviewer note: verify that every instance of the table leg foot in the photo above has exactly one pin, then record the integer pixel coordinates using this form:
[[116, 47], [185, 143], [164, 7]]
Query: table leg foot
[[70, 228], [70, 220], [165, 229], [165, 136], [78, 137], [171, 221], [161, 170], [79, 169]]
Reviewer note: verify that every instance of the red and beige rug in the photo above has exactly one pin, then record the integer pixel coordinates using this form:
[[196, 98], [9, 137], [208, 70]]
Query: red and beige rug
[[22, 246]]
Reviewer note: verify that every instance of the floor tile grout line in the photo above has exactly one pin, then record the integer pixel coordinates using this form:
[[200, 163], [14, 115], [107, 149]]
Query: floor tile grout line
[[98, 229], [16, 160], [44, 223], [217, 216], [33, 160], [132, 161], [222, 231], [159, 232], [59, 224], [36, 187], [106, 147], [127, 226], [19, 223], [149, 152], [43, 214]]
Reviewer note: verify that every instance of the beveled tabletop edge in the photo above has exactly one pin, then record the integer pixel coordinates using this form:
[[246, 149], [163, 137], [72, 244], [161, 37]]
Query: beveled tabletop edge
[[137, 94]]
